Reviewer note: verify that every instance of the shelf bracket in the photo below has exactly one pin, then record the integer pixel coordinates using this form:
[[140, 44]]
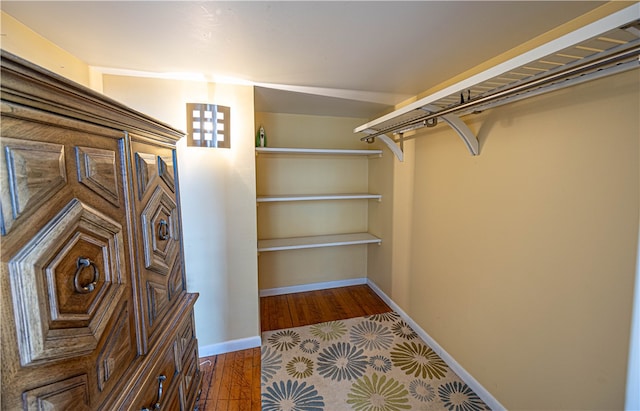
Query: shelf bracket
[[465, 133], [467, 136], [388, 141]]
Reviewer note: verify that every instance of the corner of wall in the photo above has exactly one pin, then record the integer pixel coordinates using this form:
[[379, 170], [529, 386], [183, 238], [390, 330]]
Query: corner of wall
[[20, 40]]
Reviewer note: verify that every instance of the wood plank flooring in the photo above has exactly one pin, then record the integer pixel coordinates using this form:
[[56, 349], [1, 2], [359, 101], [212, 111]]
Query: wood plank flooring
[[231, 381]]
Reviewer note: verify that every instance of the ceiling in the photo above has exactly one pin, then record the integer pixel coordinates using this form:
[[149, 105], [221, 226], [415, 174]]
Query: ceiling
[[344, 58]]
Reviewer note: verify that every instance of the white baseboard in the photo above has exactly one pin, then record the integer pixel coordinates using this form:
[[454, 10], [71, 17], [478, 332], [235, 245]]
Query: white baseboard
[[312, 287], [251, 342], [484, 395], [229, 346]]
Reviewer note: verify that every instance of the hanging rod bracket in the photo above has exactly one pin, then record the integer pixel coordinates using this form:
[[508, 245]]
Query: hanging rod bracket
[[388, 141], [470, 140], [467, 136], [397, 151]]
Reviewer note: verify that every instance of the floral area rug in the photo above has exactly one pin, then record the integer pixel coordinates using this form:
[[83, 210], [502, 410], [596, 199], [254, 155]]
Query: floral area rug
[[371, 363]]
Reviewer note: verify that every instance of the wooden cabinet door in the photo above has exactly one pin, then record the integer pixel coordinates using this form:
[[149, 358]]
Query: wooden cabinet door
[[158, 238], [68, 324]]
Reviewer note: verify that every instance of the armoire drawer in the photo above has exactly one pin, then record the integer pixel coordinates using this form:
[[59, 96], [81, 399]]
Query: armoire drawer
[[160, 384], [191, 378], [66, 394], [186, 337]]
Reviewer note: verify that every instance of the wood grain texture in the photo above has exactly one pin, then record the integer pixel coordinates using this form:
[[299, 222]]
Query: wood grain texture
[[73, 323], [97, 170], [158, 237], [231, 381], [31, 172]]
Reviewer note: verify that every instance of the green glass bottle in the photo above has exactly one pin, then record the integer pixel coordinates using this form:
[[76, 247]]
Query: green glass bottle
[[261, 137]]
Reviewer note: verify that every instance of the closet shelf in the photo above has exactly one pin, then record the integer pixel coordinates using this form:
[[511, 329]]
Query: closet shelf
[[321, 151], [607, 46], [296, 243], [316, 197]]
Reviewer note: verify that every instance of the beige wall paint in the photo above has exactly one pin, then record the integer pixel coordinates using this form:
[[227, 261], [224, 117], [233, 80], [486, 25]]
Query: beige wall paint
[[217, 190], [391, 221], [308, 131], [286, 174], [20, 40], [521, 260], [311, 266]]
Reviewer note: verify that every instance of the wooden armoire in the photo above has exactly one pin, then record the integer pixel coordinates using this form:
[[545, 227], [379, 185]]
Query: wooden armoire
[[95, 312]]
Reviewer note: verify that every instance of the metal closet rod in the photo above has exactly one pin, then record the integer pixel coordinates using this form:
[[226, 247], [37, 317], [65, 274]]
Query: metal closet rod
[[567, 72]]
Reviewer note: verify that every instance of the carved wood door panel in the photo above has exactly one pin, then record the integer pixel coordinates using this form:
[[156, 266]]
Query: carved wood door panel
[[65, 272], [157, 234], [93, 308]]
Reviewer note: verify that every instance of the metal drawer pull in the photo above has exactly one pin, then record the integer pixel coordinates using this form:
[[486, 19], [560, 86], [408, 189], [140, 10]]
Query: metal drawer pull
[[163, 230], [81, 264], [157, 405]]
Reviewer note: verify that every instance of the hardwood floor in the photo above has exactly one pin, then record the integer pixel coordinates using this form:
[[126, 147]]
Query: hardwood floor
[[231, 381]]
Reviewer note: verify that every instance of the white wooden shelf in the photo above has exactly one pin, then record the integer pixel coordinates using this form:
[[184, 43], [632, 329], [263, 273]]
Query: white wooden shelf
[[316, 197], [297, 243], [318, 151]]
